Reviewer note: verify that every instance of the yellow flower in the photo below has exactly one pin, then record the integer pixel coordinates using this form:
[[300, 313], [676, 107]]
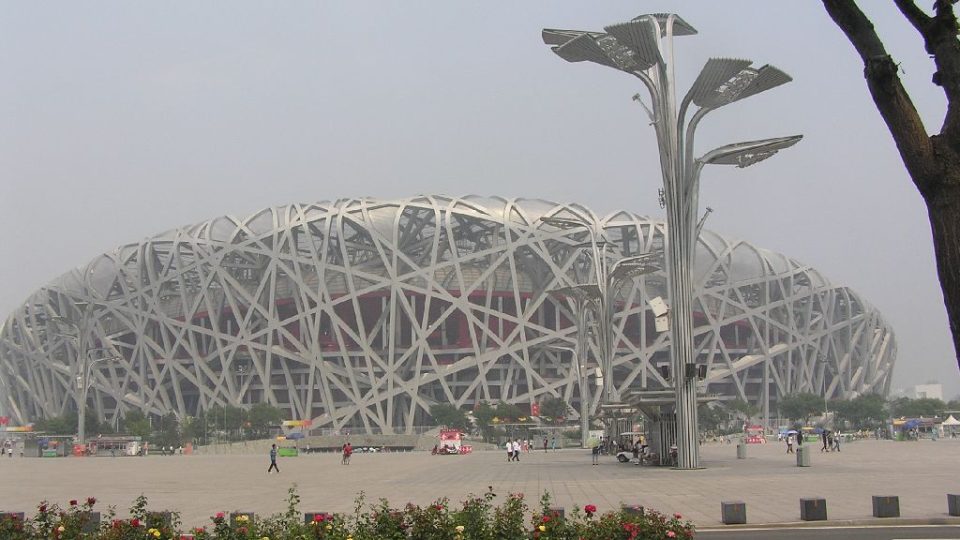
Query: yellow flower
[[459, 528], [542, 528], [242, 518], [265, 538], [151, 530], [156, 533], [60, 528], [328, 527]]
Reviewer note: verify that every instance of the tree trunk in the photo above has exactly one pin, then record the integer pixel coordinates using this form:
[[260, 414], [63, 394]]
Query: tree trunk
[[943, 208]]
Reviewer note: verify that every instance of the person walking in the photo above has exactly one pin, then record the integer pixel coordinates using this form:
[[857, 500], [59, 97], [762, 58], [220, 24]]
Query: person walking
[[836, 441], [595, 454], [273, 460], [516, 450], [347, 452], [553, 443], [544, 445], [509, 450], [823, 437], [789, 443]]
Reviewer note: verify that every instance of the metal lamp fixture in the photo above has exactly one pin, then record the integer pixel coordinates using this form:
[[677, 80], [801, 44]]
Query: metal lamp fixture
[[643, 47]]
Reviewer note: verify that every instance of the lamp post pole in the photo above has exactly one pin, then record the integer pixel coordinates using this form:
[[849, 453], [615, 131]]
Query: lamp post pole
[[643, 47]]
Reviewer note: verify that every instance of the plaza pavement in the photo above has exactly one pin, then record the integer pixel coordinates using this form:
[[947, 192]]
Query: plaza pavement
[[920, 473]]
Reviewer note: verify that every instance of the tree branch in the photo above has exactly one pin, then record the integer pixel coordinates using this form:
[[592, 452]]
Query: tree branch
[[915, 15], [891, 99]]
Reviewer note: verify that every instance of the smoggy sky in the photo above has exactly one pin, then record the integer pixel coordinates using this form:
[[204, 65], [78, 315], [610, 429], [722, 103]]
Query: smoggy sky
[[121, 120]]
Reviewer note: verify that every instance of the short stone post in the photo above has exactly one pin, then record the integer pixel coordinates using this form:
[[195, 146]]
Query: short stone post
[[803, 456], [741, 450], [159, 519], [813, 509], [885, 506], [953, 504], [733, 512], [91, 522]]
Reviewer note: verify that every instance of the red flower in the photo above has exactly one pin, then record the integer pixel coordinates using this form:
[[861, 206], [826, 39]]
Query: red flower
[[134, 522], [545, 519], [242, 530], [91, 501], [319, 518], [42, 508], [200, 530], [677, 515], [117, 524], [590, 509], [73, 502], [439, 507]]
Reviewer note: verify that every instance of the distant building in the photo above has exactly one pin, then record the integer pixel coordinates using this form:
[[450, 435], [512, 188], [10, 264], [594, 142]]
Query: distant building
[[932, 391]]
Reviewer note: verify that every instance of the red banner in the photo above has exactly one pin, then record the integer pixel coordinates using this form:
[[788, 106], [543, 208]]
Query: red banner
[[534, 409], [4, 420]]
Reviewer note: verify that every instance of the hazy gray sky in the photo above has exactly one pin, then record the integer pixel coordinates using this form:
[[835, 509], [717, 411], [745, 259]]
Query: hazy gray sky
[[121, 120]]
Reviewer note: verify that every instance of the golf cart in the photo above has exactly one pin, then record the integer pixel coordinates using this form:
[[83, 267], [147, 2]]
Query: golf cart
[[628, 440]]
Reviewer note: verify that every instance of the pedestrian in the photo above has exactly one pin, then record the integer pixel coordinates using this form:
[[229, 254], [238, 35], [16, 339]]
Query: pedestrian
[[789, 443], [347, 452], [526, 448], [595, 454], [529, 445], [516, 450], [544, 445], [509, 450], [553, 443], [10, 451], [273, 460], [823, 437], [836, 441]]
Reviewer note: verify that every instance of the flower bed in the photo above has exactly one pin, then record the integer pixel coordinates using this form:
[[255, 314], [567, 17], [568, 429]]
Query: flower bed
[[477, 518]]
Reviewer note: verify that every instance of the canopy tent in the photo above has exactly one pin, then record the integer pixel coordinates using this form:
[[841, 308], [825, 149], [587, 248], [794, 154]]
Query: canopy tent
[[951, 421]]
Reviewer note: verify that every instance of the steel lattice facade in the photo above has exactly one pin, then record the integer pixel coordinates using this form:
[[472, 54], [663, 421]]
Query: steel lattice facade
[[363, 313]]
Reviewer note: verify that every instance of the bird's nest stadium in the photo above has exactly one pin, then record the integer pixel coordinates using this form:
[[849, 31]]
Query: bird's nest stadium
[[363, 313]]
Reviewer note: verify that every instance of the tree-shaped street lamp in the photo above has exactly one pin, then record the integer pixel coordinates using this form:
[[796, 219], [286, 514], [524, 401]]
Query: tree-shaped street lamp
[[643, 47]]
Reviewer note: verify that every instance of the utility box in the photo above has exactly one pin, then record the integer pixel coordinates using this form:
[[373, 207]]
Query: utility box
[[886, 506], [813, 509], [741, 450], [953, 504], [733, 512], [803, 456]]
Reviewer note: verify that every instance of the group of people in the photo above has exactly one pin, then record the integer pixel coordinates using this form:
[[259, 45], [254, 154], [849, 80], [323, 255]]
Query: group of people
[[831, 441], [516, 446]]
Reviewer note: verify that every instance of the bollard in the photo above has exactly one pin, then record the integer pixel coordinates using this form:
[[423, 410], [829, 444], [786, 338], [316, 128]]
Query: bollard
[[16, 516], [813, 509], [91, 522], [159, 519], [632, 510], [953, 504], [733, 512], [556, 512], [310, 517], [741, 450], [885, 506], [241, 518], [803, 456]]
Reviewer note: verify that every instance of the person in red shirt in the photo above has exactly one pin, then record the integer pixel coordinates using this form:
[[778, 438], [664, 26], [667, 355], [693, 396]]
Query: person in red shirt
[[347, 452]]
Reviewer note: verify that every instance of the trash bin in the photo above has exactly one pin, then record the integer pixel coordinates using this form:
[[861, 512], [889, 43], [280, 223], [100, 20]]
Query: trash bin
[[803, 456], [741, 450]]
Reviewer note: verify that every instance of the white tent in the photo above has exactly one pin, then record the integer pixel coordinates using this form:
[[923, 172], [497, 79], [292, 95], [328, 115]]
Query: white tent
[[951, 425]]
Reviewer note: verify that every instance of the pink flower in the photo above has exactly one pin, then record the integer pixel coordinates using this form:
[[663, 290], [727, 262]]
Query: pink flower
[[671, 534], [678, 516]]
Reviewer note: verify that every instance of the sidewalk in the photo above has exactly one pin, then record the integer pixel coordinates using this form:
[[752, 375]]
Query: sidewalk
[[920, 473]]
